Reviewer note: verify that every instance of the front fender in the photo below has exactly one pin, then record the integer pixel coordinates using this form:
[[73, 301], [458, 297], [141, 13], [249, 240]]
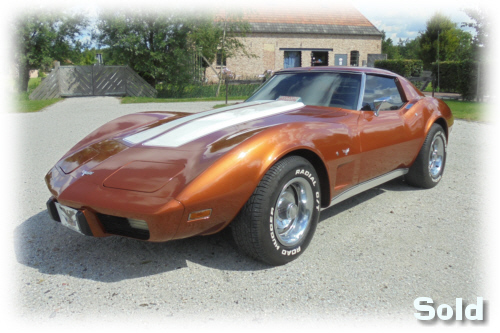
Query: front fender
[[228, 183]]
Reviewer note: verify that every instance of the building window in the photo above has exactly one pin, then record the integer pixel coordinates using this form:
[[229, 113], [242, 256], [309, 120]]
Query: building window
[[319, 58], [292, 59], [354, 58], [219, 59]]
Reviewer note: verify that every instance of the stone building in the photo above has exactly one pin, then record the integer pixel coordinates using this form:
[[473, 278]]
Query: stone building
[[324, 35]]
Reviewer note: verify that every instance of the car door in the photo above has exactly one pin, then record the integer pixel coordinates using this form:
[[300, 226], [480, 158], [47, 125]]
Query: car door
[[382, 133]]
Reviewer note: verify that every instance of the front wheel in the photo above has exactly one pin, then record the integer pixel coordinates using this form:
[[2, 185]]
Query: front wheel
[[278, 221], [428, 168]]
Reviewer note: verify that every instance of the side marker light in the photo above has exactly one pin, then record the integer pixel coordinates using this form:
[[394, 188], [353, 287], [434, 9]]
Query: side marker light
[[200, 215]]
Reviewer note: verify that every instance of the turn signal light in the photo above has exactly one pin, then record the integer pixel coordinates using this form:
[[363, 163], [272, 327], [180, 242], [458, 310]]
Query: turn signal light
[[200, 215]]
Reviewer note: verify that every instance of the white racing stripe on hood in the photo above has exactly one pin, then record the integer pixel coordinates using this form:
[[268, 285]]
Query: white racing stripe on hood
[[151, 133], [210, 124]]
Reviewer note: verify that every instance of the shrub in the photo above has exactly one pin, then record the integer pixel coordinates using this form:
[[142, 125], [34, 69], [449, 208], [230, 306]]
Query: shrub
[[204, 90], [458, 76], [33, 83], [404, 67]]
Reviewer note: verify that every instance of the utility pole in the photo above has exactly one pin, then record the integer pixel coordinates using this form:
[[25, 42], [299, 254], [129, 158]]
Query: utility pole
[[222, 56], [438, 60], [477, 86]]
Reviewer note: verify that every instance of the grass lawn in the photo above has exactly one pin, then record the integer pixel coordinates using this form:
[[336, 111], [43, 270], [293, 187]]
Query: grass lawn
[[218, 106], [23, 104], [461, 110], [468, 110]]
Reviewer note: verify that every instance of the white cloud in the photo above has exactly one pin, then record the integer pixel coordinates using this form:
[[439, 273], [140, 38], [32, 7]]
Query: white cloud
[[406, 22]]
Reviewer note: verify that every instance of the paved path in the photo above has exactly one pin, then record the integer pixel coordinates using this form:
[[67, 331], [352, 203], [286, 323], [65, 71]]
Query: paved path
[[370, 258], [444, 95]]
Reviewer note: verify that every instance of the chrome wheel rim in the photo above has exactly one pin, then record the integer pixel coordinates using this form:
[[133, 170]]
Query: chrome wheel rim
[[436, 156], [293, 212]]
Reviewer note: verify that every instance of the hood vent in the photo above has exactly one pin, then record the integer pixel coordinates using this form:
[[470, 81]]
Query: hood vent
[[142, 176]]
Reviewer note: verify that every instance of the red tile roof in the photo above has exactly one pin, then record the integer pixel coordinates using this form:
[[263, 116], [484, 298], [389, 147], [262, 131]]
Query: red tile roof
[[326, 18], [323, 14]]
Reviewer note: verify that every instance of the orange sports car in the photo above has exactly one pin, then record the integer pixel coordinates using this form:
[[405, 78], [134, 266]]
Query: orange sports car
[[306, 140]]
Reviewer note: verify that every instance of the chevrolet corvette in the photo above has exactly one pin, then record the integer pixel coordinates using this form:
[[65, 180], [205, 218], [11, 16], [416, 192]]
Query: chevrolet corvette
[[306, 140]]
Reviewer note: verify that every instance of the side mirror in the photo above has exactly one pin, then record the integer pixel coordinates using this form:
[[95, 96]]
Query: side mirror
[[379, 102]]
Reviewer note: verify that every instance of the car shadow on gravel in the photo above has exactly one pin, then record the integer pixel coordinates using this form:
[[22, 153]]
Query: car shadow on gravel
[[395, 185], [51, 248]]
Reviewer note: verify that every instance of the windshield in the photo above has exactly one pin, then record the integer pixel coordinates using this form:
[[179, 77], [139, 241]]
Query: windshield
[[321, 89]]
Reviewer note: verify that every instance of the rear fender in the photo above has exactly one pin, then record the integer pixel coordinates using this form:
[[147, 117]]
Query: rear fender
[[441, 114]]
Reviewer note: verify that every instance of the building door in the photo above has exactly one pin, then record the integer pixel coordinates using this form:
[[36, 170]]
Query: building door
[[341, 60], [354, 58]]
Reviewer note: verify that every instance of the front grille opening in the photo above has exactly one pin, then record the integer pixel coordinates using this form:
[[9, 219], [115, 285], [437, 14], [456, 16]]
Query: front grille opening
[[122, 227]]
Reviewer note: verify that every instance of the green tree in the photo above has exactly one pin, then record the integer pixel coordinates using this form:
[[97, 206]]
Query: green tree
[[389, 48], [86, 57], [459, 46], [159, 46], [481, 24], [219, 35], [409, 48], [42, 37], [443, 35], [214, 34], [153, 44]]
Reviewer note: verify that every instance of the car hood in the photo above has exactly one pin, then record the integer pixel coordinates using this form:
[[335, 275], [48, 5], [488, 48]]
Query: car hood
[[180, 132], [143, 152]]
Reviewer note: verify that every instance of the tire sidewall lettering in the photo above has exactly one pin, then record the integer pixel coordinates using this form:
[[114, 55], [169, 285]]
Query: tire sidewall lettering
[[312, 178]]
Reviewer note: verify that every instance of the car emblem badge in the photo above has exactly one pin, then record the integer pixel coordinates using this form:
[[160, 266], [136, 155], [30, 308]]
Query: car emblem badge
[[85, 172], [345, 151]]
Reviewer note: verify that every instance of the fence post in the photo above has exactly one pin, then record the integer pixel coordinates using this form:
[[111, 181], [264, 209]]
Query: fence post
[[58, 71]]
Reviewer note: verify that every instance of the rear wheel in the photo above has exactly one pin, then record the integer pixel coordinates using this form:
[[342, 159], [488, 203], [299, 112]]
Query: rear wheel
[[428, 168], [278, 221]]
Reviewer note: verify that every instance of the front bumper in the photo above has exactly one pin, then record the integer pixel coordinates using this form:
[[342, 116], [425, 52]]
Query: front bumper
[[92, 223], [81, 220]]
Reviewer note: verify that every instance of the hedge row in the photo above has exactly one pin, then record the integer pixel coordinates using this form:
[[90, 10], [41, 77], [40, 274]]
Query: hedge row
[[458, 76], [208, 90], [406, 68]]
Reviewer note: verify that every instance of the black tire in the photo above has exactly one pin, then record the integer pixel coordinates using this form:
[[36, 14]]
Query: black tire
[[274, 226], [428, 168]]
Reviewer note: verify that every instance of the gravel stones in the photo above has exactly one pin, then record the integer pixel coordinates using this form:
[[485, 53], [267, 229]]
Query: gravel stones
[[371, 256]]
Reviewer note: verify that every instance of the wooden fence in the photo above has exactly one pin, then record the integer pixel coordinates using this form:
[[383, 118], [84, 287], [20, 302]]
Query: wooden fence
[[75, 81], [422, 81]]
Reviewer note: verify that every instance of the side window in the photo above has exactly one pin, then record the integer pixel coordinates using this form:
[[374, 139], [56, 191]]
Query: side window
[[382, 94]]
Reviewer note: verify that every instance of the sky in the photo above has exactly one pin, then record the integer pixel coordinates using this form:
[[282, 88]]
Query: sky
[[399, 19], [405, 23]]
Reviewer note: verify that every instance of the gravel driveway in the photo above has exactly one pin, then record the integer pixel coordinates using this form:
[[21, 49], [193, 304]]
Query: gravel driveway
[[370, 258]]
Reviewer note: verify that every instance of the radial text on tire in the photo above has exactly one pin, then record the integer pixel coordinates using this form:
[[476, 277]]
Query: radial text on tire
[[278, 222]]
